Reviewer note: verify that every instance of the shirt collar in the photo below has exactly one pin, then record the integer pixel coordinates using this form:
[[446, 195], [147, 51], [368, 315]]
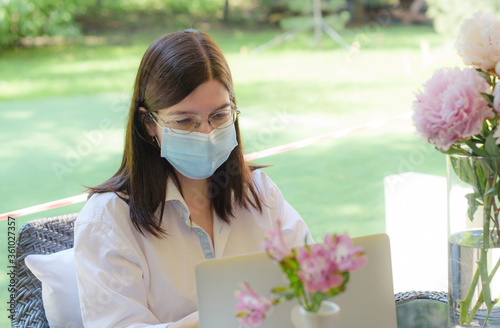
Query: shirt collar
[[174, 196]]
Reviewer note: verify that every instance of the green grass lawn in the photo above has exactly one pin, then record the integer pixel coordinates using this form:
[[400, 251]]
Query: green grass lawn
[[63, 110]]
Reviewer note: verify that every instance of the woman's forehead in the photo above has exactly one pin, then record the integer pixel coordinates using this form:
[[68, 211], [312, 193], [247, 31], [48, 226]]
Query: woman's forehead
[[208, 97]]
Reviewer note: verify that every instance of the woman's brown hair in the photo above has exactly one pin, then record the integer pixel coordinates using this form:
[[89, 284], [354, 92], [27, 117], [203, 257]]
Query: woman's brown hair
[[171, 68]]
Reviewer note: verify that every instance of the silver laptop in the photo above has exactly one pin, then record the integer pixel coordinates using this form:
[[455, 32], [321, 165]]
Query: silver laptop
[[367, 302]]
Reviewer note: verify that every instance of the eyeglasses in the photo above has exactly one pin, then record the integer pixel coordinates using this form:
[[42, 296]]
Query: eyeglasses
[[183, 124]]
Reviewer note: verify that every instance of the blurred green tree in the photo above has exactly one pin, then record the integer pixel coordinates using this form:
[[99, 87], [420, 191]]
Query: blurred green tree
[[25, 18], [226, 11]]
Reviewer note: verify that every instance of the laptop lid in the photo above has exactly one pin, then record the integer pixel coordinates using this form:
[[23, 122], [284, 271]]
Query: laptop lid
[[367, 302]]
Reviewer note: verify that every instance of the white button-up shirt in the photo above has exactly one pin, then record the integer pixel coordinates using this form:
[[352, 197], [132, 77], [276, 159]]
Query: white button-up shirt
[[126, 279]]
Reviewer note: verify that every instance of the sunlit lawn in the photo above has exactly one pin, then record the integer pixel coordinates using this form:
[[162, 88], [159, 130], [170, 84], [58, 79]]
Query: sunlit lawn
[[63, 109]]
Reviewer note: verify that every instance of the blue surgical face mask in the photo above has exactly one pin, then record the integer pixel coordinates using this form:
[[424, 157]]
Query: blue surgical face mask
[[197, 155]]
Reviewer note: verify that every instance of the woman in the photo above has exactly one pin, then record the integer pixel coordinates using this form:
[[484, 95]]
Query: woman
[[182, 194]]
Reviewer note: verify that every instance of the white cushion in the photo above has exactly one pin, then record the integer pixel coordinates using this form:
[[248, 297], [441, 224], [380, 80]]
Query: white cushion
[[57, 273]]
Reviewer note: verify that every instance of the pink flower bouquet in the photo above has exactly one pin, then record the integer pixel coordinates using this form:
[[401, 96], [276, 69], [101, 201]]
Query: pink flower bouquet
[[458, 112], [315, 273]]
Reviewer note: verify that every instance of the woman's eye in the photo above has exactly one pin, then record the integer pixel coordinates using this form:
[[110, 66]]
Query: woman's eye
[[219, 116], [182, 121]]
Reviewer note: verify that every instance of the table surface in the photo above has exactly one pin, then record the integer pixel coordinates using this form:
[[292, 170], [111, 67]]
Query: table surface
[[422, 313]]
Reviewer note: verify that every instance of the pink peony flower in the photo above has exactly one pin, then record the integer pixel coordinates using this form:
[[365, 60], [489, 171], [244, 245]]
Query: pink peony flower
[[275, 245], [478, 41], [317, 270], [251, 308], [451, 107]]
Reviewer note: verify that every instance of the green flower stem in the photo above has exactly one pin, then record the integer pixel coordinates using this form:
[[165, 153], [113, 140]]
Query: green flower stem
[[475, 151], [306, 305], [480, 300], [496, 211], [465, 304], [481, 270], [472, 314], [483, 260]]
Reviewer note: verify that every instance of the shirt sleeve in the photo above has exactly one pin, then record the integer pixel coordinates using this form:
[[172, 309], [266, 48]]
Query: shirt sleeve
[[293, 227], [110, 273]]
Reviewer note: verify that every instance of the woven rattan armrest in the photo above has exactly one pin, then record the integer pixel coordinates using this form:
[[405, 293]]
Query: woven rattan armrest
[[43, 236], [415, 295]]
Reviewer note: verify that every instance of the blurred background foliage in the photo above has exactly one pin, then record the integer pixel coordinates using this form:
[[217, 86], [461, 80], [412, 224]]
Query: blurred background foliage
[[27, 22]]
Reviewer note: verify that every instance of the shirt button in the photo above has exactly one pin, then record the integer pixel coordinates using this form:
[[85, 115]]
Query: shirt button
[[200, 233]]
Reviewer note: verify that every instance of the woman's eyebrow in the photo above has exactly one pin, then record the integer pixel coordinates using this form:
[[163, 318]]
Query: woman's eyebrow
[[186, 112], [179, 112], [221, 107]]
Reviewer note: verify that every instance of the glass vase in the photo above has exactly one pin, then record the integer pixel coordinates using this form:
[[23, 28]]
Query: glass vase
[[473, 241]]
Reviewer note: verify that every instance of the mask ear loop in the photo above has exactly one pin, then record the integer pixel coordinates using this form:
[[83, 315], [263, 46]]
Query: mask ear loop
[[155, 140]]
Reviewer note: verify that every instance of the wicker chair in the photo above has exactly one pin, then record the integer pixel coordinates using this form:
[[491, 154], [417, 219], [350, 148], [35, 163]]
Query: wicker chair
[[421, 295], [417, 309], [43, 236]]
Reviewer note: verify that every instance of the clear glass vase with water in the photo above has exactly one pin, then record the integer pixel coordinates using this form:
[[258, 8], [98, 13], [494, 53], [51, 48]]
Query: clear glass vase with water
[[473, 241]]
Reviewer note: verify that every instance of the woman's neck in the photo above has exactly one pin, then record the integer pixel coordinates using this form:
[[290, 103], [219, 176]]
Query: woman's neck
[[195, 192]]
